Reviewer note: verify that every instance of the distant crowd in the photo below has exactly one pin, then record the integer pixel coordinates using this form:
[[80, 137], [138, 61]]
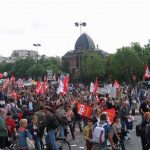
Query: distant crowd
[[30, 115]]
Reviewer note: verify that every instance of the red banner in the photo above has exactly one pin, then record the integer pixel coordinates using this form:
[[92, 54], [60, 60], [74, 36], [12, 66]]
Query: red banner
[[111, 113], [146, 72], [84, 110]]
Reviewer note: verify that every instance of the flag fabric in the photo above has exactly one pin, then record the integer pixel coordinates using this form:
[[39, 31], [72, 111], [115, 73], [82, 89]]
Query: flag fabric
[[111, 113], [85, 111], [6, 82], [41, 88], [116, 84], [91, 87], [147, 72], [1, 75], [54, 77], [63, 86], [97, 98], [38, 87], [14, 95], [20, 83], [96, 87], [66, 80], [45, 83], [60, 87], [12, 79]]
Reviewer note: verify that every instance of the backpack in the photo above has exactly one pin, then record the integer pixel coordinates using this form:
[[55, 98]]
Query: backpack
[[99, 133], [138, 130], [55, 121]]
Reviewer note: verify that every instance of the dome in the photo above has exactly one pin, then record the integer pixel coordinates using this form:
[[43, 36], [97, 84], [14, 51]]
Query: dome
[[84, 42]]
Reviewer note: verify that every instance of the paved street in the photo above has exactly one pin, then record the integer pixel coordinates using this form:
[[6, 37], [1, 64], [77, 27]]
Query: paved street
[[133, 144]]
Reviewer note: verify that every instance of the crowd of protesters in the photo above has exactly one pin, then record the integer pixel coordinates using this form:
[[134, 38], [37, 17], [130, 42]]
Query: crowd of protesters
[[29, 114]]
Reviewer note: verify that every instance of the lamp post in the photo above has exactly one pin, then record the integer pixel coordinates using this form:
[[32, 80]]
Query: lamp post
[[85, 68], [37, 46], [80, 24]]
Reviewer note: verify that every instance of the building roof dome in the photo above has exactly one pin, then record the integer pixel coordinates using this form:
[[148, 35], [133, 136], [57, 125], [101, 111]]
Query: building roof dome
[[84, 42]]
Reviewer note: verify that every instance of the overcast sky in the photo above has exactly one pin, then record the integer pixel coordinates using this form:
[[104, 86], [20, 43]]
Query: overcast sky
[[110, 23]]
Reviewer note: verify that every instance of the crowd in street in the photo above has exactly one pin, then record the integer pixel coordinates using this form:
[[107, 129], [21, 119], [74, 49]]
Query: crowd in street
[[34, 116]]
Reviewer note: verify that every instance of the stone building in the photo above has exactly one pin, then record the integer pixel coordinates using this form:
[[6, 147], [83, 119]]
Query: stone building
[[23, 54], [72, 59]]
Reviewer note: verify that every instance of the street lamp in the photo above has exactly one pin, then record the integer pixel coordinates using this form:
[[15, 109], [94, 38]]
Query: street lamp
[[37, 46], [85, 65], [80, 24]]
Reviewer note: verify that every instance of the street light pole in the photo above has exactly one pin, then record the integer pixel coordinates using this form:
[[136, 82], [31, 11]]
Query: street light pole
[[80, 24], [85, 68], [37, 46]]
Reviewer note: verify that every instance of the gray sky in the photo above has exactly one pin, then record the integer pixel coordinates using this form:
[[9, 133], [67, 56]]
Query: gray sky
[[110, 23]]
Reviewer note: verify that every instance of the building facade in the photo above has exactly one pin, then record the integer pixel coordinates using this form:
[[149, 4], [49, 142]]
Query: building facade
[[23, 54], [72, 59]]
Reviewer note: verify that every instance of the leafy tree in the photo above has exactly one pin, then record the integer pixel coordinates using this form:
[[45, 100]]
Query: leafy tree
[[93, 65], [21, 66], [124, 62], [6, 67]]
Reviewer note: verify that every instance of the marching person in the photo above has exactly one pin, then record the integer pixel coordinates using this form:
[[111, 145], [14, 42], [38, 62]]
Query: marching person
[[3, 130], [103, 128], [34, 130], [87, 134], [23, 133]]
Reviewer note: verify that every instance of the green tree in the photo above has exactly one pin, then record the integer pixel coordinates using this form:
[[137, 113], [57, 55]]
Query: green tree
[[124, 62], [21, 66], [93, 65]]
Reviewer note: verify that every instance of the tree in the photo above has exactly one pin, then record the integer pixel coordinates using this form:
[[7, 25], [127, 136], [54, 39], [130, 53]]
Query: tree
[[21, 67], [124, 62], [93, 65]]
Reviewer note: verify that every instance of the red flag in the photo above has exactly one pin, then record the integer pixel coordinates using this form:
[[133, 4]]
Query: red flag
[[41, 88], [116, 84], [20, 83], [5, 84], [96, 87], [111, 113], [45, 84], [146, 72], [38, 87], [14, 95], [12, 79], [1, 75], [85, 111], [66, 80]]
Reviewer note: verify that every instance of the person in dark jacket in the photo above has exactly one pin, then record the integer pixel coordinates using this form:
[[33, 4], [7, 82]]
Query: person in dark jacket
[[41, 117], [50, 137], [34, 130], [96, 116], [144, 124], [77, 118], [3, 130]]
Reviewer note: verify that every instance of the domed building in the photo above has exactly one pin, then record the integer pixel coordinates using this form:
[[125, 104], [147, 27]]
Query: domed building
[[84, 42], [72, 59]]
